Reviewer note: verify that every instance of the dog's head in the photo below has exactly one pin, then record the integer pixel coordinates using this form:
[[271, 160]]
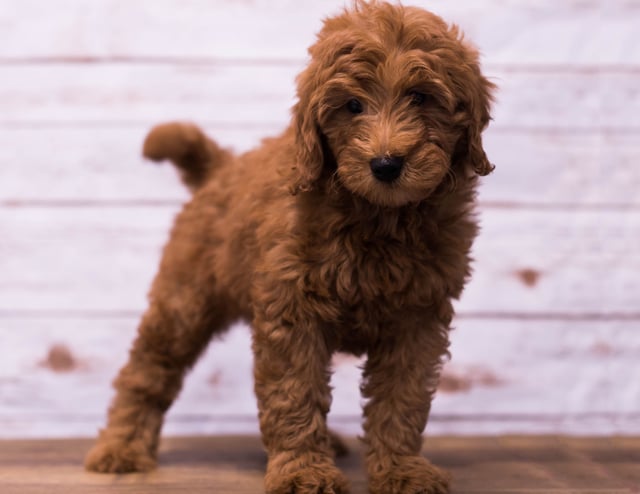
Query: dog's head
[[392, 102]]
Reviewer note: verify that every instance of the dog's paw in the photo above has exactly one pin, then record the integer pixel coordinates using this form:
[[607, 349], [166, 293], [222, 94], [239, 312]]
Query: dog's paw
[[113, 456], [338, 446], [410, 475], [304, 474]]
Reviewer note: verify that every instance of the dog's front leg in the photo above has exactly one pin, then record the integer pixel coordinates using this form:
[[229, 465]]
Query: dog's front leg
[[292, 387], [400, 377]]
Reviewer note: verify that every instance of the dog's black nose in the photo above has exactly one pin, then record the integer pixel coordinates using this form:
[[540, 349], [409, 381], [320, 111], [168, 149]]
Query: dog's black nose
[[387, 168]]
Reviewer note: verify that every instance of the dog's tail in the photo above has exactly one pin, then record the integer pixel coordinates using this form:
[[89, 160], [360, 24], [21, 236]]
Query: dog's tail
[[191, 151]]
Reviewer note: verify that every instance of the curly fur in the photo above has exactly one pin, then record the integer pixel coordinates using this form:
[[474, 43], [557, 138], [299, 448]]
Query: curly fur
[[301, 239]]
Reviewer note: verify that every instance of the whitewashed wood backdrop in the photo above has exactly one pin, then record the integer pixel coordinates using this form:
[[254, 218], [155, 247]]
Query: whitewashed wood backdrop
[[548, 333]]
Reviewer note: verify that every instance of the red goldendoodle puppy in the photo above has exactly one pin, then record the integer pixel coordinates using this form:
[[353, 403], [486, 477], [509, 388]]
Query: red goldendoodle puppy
[[349, 232]]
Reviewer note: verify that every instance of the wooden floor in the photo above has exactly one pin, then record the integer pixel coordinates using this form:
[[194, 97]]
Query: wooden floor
[[235, 465]]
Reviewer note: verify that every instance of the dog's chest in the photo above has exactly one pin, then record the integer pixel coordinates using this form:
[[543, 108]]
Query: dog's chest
[[374, 272], [375, 277]]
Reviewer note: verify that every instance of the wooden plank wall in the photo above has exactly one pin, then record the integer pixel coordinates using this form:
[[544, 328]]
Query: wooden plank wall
[[548, 333]]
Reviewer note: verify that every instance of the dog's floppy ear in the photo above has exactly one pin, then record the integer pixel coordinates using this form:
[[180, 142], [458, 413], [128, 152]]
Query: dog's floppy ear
[[476, 156], [474, 116], [309, 154]]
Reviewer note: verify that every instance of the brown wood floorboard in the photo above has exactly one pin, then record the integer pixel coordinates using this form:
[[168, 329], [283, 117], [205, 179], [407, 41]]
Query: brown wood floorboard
[[235, 465]]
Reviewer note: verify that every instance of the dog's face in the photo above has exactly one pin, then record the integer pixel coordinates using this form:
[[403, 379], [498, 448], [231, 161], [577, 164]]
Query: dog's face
[[391, 103]]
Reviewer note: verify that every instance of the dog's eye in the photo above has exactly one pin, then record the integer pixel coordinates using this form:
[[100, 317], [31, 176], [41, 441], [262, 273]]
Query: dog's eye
[[354, 106], [417, 98]]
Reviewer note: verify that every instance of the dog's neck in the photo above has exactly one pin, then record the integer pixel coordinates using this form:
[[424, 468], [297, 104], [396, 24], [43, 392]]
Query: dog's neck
[[332, 209]]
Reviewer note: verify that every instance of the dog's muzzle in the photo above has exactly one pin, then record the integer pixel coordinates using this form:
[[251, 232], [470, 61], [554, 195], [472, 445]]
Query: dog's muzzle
[[387, 168]]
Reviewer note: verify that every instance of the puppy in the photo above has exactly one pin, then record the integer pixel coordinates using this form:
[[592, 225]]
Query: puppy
[[350, 232]]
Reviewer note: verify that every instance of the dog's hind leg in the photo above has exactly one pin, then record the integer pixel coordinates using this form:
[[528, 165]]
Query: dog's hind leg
[[338, 445], [185, 311]]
